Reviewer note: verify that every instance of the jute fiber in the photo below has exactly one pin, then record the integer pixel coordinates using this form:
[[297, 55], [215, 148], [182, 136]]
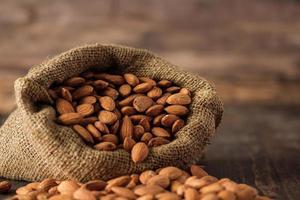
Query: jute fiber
[[33, 146]]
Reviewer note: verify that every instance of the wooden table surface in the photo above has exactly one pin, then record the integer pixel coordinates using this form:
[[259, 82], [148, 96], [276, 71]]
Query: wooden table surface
[[248, 49]]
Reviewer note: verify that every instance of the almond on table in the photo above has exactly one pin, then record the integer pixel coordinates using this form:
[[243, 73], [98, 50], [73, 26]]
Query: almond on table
[[121, 111]]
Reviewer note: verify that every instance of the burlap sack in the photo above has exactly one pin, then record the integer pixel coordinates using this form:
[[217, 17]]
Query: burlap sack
[[34, 147]]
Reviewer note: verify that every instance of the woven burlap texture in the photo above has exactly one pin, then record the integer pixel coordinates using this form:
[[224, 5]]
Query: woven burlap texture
[[34, 147]]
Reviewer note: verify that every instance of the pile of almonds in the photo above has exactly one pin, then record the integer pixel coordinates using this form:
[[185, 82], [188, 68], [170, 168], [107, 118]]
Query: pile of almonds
[[121, 111], [168, 183]]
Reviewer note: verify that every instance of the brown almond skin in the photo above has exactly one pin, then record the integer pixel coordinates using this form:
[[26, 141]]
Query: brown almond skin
[[143, 87], [177, 110], [107, 103], [178, 124], [94, 185], [125, 90], [179, 99], [142, 103], [154, 110], [139, 152], [128, 110], [5, 187], [168, 120], [100, 84], [63, 106], [146, 124], [157, 141], [70, 118], [111, 78], [138, 131], [157, 120], [185, 91], [67, 187], [163, 100], [107, 117], [154, 93], [124, 192], [75, 81], [171, 172], [88, 99], [110, 138], [173, 89], [137, 118], [128, 100], [83, 91], [164, 83], [111, 92], [105, 146], [131, 79], [101, 127], [146, 137], [126, 128], [84, 133], [160, 180], [85, 109], [66, 94], [128, 144], [160, 132], [94, 131], [114, 129], [147, 80], [197, 171]]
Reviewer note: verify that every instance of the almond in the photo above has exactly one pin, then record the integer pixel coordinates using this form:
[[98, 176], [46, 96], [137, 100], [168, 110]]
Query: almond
[[70, 118], [128, 100], [126, 128], [107, 103], [5, 186], [179, 99], [95, 185], [226, 195], [137, 118], [89, 120], [143, 87], [125, 90], [154, 110], [185, 91], [114, 129], [131, 79], [198, 171], [84, 134], [177, 110], [63, 106], [94, 131], [83, 91], [101, 127], [111, 78], [212, 188], [110, 138], [105, 146], [139, 152], [128, 143], [100, 84], [154, 93], [138, 131], [85, 109], [163, 100], [173, 89], [149, 189], [107, 117], [171, 172], [128, 110], [145, 123], [142, 103], [177, 125], [147, 80], [164, 83], [66, 94], [146, 137], [167, 196], [88, 99], [120, 182], [160, 132], [169, 120], [123, 192], [83, 194], [111, 92], [146, 175], [157, 120], [209, 196], [157, 141], [75, 81], [191, 194], [67, 187], [46, 184], [160, 180]]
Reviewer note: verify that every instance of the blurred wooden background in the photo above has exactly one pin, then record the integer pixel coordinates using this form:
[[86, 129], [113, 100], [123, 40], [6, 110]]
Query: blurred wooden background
[[250, 50]]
